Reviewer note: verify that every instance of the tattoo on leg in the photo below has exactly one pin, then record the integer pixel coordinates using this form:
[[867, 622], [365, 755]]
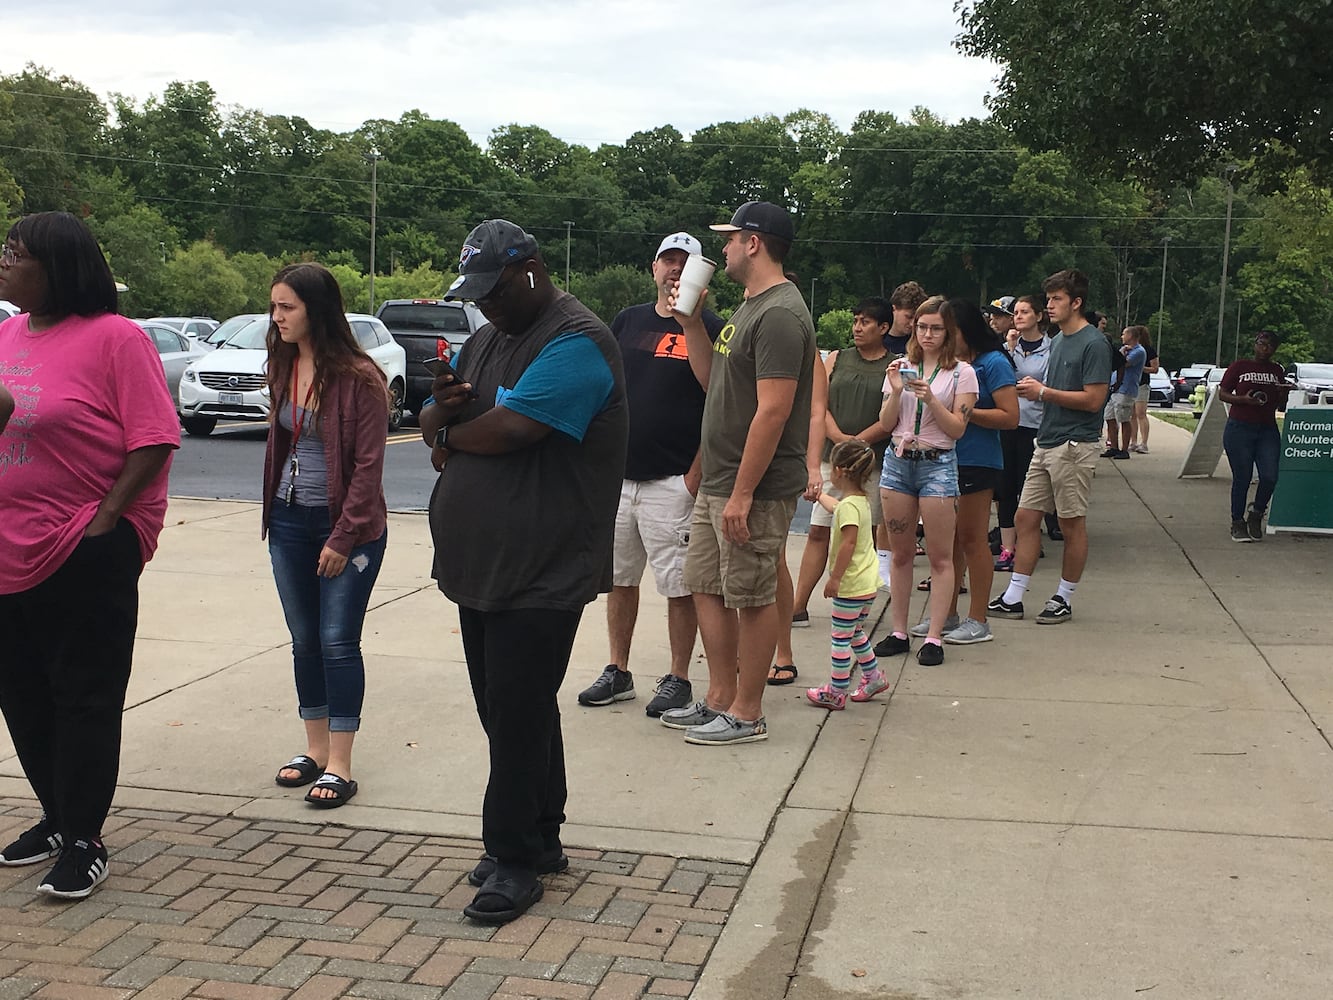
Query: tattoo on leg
[[898, 526]]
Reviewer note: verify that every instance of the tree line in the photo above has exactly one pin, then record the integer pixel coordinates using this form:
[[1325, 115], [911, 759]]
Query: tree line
[[197, 204]]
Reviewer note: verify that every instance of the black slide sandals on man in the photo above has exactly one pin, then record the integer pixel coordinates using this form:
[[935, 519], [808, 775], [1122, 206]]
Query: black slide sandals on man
[[306, 771], [506, 895], [343, 791]]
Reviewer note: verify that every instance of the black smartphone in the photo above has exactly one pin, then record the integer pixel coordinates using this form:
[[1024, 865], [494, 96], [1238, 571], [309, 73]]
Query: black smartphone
[[439, 366]]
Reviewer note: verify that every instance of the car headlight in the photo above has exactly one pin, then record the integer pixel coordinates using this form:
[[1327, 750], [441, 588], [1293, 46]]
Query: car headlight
[[264, 391], [189, 375]]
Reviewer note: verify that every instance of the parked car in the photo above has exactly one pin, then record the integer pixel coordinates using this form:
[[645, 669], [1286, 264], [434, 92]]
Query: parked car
[[175, 350], [8, 309], [1187, 378], [195, 327], [1311, 378], [1161, 390], [229, 383], [428, 329], [228, 327]]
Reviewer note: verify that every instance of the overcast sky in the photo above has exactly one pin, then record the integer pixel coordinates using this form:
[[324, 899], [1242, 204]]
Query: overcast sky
[[588, 72]]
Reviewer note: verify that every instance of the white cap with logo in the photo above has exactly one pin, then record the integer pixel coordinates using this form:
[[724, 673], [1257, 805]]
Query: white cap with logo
[[680, 241]]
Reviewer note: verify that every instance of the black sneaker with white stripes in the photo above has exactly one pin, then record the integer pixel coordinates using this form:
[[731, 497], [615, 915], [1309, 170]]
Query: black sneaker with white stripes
[[613, 684], [81, 869], [34, 846]]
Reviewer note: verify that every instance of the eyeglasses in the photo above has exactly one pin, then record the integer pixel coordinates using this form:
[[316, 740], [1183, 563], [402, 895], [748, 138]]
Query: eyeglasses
[[9, 256], [498, 290], [930, 328]]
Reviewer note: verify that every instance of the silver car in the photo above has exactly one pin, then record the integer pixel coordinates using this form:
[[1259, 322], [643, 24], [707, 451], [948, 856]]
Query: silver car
[[174, 350]]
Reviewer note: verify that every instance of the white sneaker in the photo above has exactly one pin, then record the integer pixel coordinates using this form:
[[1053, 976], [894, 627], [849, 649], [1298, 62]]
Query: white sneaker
[[969, 630]]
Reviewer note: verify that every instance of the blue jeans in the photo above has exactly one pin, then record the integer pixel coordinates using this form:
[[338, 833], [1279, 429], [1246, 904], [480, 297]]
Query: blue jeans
[[324, 614], [1251, 446], [926, 477]]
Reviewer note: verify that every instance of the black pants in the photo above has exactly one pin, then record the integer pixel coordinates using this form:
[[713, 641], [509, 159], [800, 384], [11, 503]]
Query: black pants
[[1017, 445], [516, 661], [64, 666]]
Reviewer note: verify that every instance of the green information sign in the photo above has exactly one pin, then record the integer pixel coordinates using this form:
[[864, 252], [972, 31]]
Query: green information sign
[[1304, 497]]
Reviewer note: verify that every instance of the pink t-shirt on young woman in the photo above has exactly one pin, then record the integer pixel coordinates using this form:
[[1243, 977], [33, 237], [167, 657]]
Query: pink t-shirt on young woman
[[87, 391], [946, 385]]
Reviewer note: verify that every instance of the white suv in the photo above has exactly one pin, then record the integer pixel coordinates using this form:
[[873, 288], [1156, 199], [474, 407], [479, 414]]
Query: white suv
[[229, 383]]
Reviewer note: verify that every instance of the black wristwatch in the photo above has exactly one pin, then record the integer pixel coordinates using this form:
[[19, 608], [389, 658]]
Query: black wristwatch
[[442, 437]]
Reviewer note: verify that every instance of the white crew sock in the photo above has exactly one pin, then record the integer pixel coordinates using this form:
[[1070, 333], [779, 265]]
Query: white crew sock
[[1018, 586], [883, 556], [1066, 590]]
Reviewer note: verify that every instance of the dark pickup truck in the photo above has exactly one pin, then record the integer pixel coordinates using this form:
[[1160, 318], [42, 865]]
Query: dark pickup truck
[[427, 329]]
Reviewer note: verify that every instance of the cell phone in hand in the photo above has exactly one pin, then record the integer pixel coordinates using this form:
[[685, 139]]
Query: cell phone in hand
[[907, 373], [439, 366]]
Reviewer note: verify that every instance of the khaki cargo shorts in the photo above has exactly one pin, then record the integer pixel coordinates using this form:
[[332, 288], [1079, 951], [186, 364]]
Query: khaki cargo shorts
[[1059, 480], [744, 576]]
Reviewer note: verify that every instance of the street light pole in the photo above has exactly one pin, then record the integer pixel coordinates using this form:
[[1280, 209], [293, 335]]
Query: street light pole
[[1230, 173], [1161, 298], [569, 226], [374, 157]]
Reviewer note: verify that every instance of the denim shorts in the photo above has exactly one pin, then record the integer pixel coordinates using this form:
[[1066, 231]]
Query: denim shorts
[[936, 477]]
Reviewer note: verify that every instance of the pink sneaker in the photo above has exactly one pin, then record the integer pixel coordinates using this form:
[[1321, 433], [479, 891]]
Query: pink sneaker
[[871, 684], [826, 697]]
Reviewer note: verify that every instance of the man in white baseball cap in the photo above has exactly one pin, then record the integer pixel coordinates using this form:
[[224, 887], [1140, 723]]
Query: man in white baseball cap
[[661, 479]]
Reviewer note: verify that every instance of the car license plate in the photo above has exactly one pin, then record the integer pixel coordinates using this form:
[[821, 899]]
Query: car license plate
[[231, 397]]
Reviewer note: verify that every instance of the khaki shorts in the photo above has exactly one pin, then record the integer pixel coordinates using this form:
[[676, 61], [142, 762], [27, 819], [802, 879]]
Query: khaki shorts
[[653, 529], [821, 518], [744, 576], [1119, 408], [1145, 394], [1059, 480]]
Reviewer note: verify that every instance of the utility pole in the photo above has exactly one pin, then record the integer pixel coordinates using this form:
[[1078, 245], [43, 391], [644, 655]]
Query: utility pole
[[1161, 299], [812, 298], [1229, 175], [374, 157], [1129, 290], [569, 226]]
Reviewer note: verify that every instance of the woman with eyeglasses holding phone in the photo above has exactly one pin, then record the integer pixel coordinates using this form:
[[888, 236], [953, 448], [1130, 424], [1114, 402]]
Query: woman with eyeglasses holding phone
[[324, 514], [83, 491], [928, 397]]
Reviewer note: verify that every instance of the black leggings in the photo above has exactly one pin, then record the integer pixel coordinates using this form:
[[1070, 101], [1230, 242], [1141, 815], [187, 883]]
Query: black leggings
[[64, 668], [1017, 446]]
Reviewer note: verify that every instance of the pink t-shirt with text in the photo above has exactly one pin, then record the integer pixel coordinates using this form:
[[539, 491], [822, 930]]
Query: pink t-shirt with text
[[87, 391], [945, 385]]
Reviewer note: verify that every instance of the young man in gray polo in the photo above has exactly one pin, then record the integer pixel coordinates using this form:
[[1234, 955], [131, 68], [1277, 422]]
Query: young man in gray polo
[[1059, 479], [759, 377]]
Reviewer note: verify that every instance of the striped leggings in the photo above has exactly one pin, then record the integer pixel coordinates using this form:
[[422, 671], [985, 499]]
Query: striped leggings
[[849, 638]]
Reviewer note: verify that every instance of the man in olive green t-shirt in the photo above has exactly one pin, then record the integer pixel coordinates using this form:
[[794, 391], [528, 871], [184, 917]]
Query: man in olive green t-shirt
[[759, 377]]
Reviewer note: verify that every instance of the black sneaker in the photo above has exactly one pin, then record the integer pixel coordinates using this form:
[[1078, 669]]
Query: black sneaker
[[614, 685], [672, 692], [81, 869], [998, 609], [1121, 454], [892, 645], [1254, 521], [1110, 453], [1056, 612], [930, 654], [39, 844], [1240, 532], [800, 619]]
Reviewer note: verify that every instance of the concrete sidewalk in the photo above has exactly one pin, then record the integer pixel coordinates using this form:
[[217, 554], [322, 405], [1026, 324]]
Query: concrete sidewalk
[[1138, 800]]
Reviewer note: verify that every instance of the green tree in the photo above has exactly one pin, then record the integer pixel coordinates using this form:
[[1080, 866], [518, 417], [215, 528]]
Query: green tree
[[611, 289], [833, 332], [200, 281], [50, 128], [137, 243], [1160, 90], [257, 270]]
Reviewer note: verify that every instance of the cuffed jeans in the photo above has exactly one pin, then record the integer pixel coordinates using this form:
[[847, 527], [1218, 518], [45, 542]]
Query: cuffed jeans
[[324, 614], [516, 661], [64, 667], [1251, 446]]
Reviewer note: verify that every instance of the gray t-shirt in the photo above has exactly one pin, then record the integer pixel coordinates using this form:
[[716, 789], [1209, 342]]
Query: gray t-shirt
[[531, 528], [1077, 359], [771, 336]]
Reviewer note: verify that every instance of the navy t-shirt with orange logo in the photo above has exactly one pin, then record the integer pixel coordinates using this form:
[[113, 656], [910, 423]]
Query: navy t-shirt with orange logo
[[666, 402]]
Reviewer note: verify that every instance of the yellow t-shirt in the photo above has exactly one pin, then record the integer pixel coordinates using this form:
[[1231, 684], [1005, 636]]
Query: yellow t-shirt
[[862, 576]]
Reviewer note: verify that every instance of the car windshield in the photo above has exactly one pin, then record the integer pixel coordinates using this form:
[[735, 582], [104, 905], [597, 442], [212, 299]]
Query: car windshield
[[250, 337], [424, 316], [1314, 371], [229, 327]]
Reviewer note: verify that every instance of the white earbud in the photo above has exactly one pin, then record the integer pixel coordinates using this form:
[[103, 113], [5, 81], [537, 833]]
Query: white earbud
[[532, 282]]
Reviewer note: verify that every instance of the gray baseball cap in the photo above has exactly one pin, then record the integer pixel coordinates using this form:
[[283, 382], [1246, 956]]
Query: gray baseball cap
[[488, 250]]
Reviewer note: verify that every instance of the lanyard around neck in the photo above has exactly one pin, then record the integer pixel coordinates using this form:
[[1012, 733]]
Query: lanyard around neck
[[921, 403], [298, 424]]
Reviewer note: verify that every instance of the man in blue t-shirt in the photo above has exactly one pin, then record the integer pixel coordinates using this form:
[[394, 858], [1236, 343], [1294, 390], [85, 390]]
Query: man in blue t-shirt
[[1120, 417], [1059, 478]]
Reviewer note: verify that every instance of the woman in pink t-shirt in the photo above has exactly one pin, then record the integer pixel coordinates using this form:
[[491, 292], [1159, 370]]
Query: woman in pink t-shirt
[[928, 396], [83, 488]]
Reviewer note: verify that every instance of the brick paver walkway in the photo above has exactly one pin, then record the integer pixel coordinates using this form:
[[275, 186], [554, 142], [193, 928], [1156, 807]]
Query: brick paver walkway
[[206, 906]]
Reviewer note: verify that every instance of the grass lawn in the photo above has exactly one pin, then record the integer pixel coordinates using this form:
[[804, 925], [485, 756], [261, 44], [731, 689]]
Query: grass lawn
[[1185, 420]]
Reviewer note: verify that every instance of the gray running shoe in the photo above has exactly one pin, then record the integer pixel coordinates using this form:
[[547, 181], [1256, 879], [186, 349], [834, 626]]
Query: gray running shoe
[[612, 685], [968, 631], [922, 628], [672, 692], [727, 729], [690, 716]]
